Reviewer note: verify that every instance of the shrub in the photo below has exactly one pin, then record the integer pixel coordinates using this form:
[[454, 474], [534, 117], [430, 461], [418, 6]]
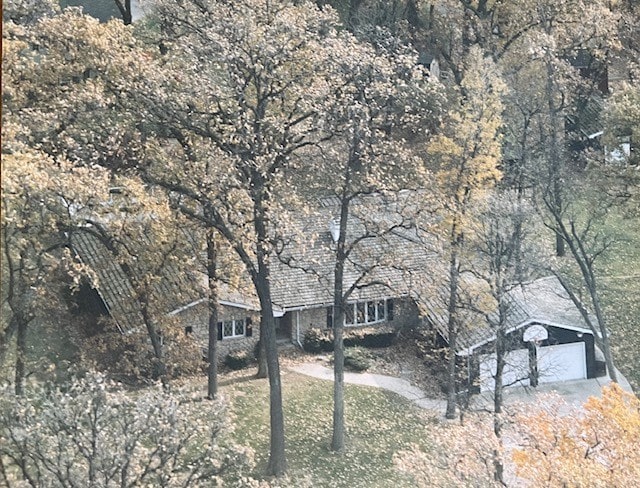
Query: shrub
[[357, 359], [93, 432], [316, 340], [371, 337], [237, 360], [129, 357]]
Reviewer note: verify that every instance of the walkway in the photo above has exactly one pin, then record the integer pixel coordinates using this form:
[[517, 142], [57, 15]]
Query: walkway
[[575, 393], [396, 385]]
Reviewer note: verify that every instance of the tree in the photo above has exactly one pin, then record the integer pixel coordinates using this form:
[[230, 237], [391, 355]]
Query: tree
[[38, 202], [465, 158], [138, 230], [621, 144], [543, 65], [240, 121], [92, 432], [582, 231], [461, 456], [26, 12], [498, 245], [220, 136], [64, 96], [381, 98], [591, 448], [124, 7]]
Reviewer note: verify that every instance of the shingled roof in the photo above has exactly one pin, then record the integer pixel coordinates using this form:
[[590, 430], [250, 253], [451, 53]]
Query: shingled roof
[[113, 286], [383, 262], [174, 292], [391, 254], [543, 301]]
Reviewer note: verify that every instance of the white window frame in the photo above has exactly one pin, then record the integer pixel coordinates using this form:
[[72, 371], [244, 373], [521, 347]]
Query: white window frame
[[354, 313], [234, 327]]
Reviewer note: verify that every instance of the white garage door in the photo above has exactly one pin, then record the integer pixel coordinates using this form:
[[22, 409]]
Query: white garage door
[[562, 362], [516, 370]]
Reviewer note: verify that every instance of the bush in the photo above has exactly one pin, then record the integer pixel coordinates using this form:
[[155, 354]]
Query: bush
[[237, 360], [129, 357], [152, 437], [357, 359], [316, 340], [371, 337]]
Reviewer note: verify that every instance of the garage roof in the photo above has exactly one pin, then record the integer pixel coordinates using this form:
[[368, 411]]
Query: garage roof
[[542, 301]]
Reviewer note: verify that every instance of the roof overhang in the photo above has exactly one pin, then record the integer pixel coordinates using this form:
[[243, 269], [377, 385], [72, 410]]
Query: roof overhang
[[470, 350], [226, 303], [330, 304]]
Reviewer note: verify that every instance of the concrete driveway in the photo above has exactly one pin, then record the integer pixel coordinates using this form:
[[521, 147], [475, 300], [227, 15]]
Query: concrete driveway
[[397, 385], [575, 393]]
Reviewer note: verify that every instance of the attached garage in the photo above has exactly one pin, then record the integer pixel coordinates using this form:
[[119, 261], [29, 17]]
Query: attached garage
[[562, 362], [515, 372], [545, 334]]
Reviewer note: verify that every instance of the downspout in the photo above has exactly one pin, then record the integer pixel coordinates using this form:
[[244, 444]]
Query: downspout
[[468, 376], [298, 329]]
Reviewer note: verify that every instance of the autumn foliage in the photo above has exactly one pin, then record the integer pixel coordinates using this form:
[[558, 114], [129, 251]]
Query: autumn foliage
[[598, 448]]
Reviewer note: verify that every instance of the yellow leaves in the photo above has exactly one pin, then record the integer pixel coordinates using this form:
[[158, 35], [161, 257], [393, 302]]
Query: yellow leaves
[[467, 154], [598, 448]]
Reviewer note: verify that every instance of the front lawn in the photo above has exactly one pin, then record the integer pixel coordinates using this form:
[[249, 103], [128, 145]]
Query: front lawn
[[620, 287], [379, 424]]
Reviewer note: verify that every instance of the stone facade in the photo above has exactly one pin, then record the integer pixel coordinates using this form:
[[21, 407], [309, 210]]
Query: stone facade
[[195, 321], [295, 323], [290, 328]]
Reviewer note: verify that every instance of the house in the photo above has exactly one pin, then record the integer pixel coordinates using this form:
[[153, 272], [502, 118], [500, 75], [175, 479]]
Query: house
[[547, 340], [547, 336], [178, 298], [388, 251]]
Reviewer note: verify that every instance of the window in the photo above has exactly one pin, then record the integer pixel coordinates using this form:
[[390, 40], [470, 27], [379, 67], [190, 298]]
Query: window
[[232, 328], [364, 313]]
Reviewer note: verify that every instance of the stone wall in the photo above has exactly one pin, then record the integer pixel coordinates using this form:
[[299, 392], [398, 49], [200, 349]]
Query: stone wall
[[405, 314], [196, 317]]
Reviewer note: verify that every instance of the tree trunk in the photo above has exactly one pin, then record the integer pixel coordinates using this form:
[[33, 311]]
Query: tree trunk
[[338, 437], [277, 465], [585, 264], [125, 11], [6, 336], [606, 345], [277, 460], [262, 356], [452, 330], [413, 14], [498, 467], [337, 440], [159, 368], [21, 351], [555, 154], [212, 350], [352, 14], [557, 196]]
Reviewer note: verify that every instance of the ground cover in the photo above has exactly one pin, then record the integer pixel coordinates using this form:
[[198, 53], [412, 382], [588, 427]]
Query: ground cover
[[620, 287], [379, 424]]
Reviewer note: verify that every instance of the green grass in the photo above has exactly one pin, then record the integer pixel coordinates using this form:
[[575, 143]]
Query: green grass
[[379, 424], [620, 292]]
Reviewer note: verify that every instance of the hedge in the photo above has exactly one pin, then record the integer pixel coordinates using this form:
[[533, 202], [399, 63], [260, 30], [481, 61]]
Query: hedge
[[317, 340]]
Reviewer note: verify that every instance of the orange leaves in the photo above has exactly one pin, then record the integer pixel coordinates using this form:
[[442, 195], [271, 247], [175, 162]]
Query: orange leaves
[[597, 448]]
